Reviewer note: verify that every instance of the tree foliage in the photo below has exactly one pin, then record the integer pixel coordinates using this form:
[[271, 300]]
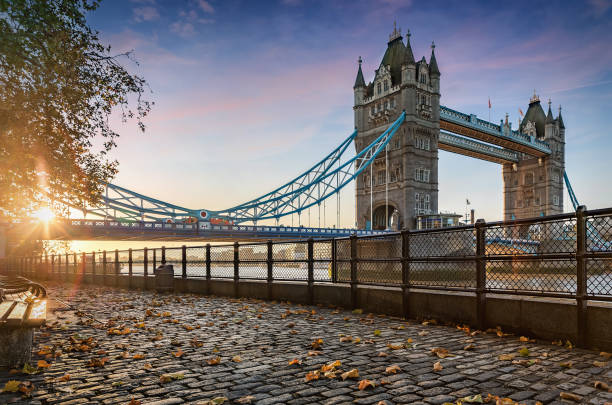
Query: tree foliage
[[59, 86]]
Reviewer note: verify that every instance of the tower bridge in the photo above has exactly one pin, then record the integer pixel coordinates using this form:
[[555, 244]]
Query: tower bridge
[[399, 128]]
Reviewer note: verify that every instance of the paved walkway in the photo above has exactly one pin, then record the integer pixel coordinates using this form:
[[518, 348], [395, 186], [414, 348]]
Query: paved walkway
[[193, 349]]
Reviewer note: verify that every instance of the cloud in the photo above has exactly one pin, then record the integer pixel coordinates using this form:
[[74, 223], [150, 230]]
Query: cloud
[[145, 14], [204, 5], [183, 29]]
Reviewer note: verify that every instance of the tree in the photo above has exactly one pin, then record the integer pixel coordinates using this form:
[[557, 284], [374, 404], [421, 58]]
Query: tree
[[59, 85]]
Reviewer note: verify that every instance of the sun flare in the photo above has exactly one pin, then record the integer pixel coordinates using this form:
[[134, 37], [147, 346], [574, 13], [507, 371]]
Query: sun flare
[[44, 214]]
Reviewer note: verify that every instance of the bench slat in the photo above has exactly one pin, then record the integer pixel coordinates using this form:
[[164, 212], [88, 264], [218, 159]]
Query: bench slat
[[37, 313], [17, 314], [5, 309]]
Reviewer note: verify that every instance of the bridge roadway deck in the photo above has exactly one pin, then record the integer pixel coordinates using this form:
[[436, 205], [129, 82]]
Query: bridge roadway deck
[[146, 231], [267, 336]]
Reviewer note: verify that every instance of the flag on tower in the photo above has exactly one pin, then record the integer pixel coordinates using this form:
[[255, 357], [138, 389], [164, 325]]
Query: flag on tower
[[521, 112], [489, 102], [467, 202]]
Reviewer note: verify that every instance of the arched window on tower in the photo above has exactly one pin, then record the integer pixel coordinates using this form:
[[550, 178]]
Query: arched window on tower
[[378, 88], [528, 179]]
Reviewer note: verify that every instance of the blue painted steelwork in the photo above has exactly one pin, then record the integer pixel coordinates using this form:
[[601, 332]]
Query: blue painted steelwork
[[495, 153], [570, 191], [312, 187], [473, 122]]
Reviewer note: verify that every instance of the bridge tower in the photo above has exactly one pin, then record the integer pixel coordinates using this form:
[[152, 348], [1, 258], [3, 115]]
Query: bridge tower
[[406, 176], [534, 186]]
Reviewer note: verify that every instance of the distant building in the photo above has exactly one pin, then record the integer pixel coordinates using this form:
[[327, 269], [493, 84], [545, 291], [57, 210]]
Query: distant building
[[433, 221]]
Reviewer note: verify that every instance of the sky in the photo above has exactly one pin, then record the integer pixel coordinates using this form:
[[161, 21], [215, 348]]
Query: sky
[[248, 94]]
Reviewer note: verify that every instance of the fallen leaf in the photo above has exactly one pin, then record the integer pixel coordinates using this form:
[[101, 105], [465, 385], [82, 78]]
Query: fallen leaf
[[134, 402], [567, 364], [600, 385], [524, 352], [313, 375], [354, 373], [236, 359], [599, 363], [245, 400], [43, 364], [295, 361], [330, 366], [437, 366], [213, 361], [440, 352], [365, 384], [164, 378], [393, 369], [376, 333], [96, 362], [506, 357], [357, 340], [394, 347], [27, 369], [64, 378], [11, 386], [570, 396], [469, 347], [423, 333], [346, 339], [147, 366], [606, 355], [524, 339], [316, 344], [382, 354], [214, 401], [138, 356], [314, 353], [472, 399], [178, 353]]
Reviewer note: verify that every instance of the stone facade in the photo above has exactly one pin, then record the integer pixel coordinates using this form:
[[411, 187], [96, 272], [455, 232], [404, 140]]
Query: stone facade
[[534, 186], [408, 172]]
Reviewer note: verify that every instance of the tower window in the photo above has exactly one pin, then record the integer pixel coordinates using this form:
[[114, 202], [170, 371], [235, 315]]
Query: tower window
[[386, 85], [421, 174], [382, 174], [555, 200], [378, 88], [421, 143], [387, 105]]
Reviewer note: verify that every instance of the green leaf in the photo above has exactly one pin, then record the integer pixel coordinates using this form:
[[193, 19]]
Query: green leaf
[[524, 352], [11, 386], [377, 332], [27, 369]]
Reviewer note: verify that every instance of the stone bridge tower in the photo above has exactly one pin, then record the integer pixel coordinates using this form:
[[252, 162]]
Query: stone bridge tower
[[410, 172], [533, 187]]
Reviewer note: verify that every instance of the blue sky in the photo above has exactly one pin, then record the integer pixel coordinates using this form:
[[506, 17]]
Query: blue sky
[[250, 93]]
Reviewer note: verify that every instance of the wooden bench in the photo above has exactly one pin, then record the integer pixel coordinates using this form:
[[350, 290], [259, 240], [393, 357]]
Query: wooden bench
[[23, 307]]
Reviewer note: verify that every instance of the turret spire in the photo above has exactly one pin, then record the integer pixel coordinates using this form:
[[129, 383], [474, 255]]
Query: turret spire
[[549, 116], [359, 81], [408, 56], [433, 64], [560, 119]]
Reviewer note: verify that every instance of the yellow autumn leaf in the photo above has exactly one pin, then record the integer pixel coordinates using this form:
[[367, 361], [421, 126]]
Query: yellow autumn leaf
[[43, 364], [354, 373], [11, 386], [599, 363], [214, 361], [393, 369], [440, 352], [437, 366], [295, 361], [506, 357], [365, 384], [346, 339], [236, 359]]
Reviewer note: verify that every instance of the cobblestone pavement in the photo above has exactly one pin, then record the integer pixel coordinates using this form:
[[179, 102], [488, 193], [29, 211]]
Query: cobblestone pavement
[[163, 349]]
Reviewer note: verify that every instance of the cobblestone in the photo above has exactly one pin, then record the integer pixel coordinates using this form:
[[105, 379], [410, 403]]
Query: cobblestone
[[181, 337]]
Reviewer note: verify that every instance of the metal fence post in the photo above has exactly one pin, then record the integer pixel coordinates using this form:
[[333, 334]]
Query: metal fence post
[[353, 240], [130, 270], [406, 274], [270, 264], [481, 281], [310, 271], [93, 267], [83, 264], [145, 265], [104, 269], [163, 253], [208, 268], [581, 277], [184, 261], [117, 269], [236, 267], [334, 261]]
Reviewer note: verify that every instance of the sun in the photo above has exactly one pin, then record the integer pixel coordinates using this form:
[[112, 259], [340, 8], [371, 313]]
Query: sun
[[44, 214]]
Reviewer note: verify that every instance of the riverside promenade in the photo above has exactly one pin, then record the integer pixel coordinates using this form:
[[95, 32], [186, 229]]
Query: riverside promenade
[[144, 348]]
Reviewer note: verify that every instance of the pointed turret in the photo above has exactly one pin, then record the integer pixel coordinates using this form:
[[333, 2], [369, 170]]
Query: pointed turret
[[408, 55], [560, 120], [433, 64], [359, 81], [549, 116]]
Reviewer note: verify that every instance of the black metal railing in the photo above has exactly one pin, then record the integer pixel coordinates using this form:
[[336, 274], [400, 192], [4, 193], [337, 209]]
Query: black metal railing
[[566, 255]]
